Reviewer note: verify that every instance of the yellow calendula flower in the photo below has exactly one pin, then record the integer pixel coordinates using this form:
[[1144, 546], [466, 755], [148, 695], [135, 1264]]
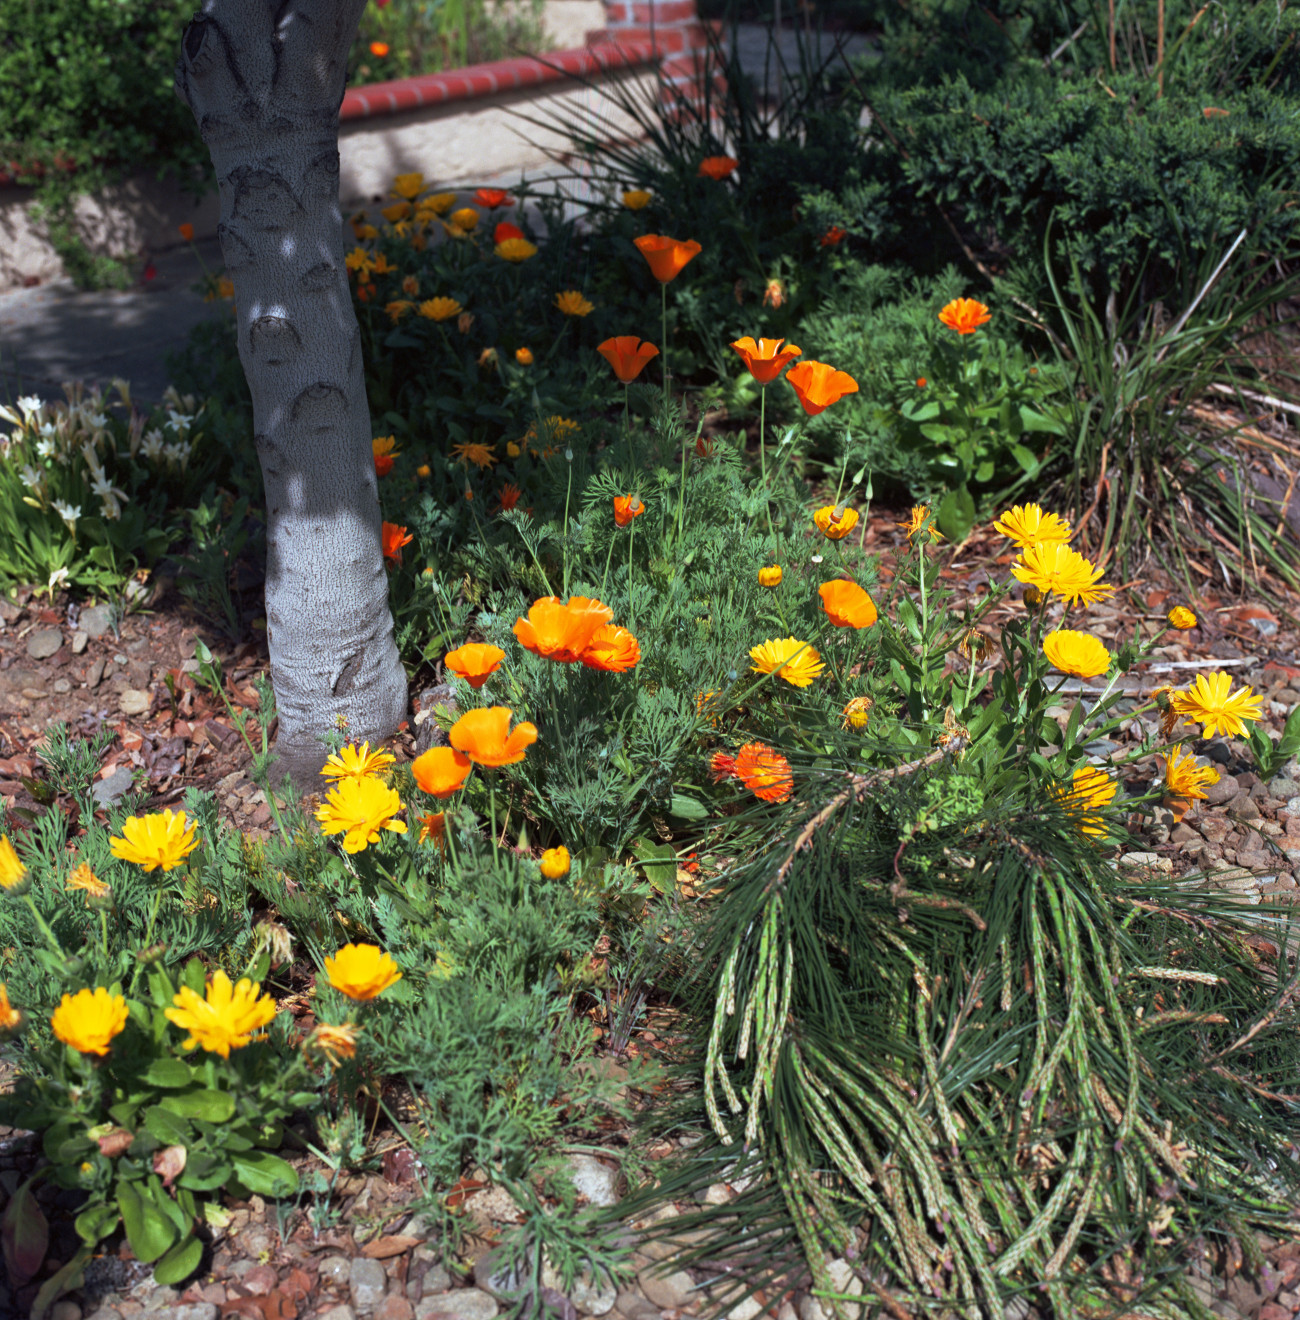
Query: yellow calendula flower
[[555, 862], [466, 219], [478, 454], [1054, 567], [572, 303], [225, 1018], [1076, 653], [161, 841], [439, 309], [1090, 790], [336, 1043], [1027, 524], [921, 521], [524, 356], [352, 762], [396, 213], [1184, 778], [89, 1020], [515, 249], [13, 874], [361, 971], [85, 880], [359, 809], [636, 199], [835, 521], [408, 186], [10, 1018], [857, 713], [436, 204], [795, 661], [360, 261], [1182, 618], [770, 575], [1211, 702]]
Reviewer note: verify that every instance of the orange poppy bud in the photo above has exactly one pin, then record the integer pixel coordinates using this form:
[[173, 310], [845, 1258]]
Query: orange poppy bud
[[665, 256], [524, 356], [964, 315], [765, 360], [186, 231], [475, 662], [846, 604], [627, 507], [717, 167], [441, 771], [627, 355], [819, 385], [379, 49], [774, 294]]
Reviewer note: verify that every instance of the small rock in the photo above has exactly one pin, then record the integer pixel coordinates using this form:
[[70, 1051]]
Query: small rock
[[394, 1307], [587, 1297], [260, 1280], [62, 686], [80, 640], [1183, 835], [131, 701], [107, 792], [334, 1271], [106, 1313], [158, 1297], [65, 1310], [435, 1280], [460, 1304], [1244, 807], [667, 1291], [186, 1311], [748, 1308], [632, 1306], [813, 1308], [96, 620], [367, 1281], [95, 672], [715, 1194], [340, 1312], [786, 1312], [1223, 791], [593, 1179], [43, 643], [844, 1280]]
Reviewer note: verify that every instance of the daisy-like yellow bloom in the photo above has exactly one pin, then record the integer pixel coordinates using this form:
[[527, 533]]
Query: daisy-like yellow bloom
[[225, 1018], [1182, 618], [515, 249], [572, 303], [1027, 524], [1211, 702], [353, 762], [555, 863], [13, 874], [795, 661], [920, 521], [1089, 790], [436, 204], [636, 199], [360, 261], [1055, 567], [857, 713], [480, 455], [408, 186], [397, 212], [361, 971], [358, 809], [1184, 778], [161, 841], [466, 219], [10, 1018], [835, 521], [1076, 653], [89, 1020], [336, 1043], [770, 575], [85, 880], [439, 309]]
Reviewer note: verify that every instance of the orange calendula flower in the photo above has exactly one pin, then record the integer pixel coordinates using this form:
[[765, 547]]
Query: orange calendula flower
[[397, 309], [83, 879], [572, 303], [524, 356], [225, 1017], [1053, 566], [394, 539], [666, 257], [475, 662], [819, 385], [636, 199], [846, 604], [441, 771], [485, 736], [627, 355], [466, 219], [88, 1020], [384, 448], [795, 661], [835, 521], [439, 309], [964, 315], [493, 198], [612, 649], [1184, 778], [186, 231], [478, 454], [335, 1043], [361, 971], [766, 359], [770, 575], [561, 632], [10, 1018], [627, 507], [920, 521], [1210, 701], [857, 713], [1089, 790], [1182, 618], [765, 772], [717, 167]]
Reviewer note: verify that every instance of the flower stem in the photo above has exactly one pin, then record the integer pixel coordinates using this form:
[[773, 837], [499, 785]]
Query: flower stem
[[631, 605], [762, 454], [564, 537], [663, 296], [43, 927]]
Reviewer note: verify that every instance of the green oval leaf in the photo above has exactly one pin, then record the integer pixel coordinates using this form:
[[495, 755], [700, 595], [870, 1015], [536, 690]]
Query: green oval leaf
[[148, 1230], [169, 1074], [266, 1174], [180, 1262], [214, 1106]]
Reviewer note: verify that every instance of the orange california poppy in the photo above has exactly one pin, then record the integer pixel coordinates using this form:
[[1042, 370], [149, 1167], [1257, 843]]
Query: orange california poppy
[[484, 735], [493, 197], [717, 167], [665, 256], [475, 662], [612, 649], [964, 315], [506, 230], [186, 231], [765, 772], [766, 359], [379, 49], [833, 236], [819, 385], [433, 828], [561, 632], [441, 771], [627, 507], [627, 355], [510, 496], [394, 539], [846, 604]]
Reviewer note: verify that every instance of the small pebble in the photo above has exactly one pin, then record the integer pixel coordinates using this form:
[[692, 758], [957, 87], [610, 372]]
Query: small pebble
[[79, 642]]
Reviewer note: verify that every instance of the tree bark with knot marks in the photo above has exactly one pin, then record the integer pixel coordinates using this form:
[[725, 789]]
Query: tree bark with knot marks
[[264, 79]]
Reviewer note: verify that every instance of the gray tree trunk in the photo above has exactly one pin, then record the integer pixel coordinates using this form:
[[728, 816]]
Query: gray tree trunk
[[264, 79]]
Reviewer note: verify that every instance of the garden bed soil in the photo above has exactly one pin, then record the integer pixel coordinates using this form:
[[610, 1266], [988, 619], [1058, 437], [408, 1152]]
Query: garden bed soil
[[363, 1254]]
